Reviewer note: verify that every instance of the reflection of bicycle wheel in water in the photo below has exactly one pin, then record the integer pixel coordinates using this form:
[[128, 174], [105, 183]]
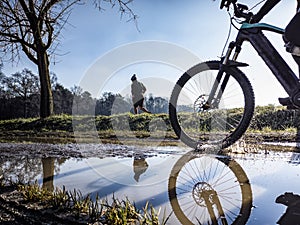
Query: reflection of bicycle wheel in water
[[206, 189]]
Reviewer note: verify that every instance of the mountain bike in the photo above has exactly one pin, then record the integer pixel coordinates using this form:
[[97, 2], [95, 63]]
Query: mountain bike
[[212, 103]]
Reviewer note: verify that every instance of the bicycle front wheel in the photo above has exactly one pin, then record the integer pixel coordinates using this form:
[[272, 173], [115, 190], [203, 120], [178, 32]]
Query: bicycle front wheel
[[209, 106]]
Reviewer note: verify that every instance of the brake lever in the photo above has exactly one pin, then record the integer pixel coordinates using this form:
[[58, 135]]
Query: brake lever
[[239, 11], [242, 7], [223, 2], [226, 3]]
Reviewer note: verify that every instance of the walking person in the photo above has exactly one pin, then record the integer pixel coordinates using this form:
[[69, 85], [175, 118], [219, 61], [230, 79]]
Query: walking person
[[137, 91]]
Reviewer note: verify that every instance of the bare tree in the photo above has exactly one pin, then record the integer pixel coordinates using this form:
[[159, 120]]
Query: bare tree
[[33, 27], [23, 85], [1, 79]]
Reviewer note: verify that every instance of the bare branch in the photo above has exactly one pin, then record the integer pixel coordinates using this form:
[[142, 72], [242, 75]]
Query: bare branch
[[29, 54], [37, 24], [123, 7]]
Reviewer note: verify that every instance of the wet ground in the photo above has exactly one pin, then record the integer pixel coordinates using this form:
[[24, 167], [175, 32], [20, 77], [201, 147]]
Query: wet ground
[[246, 188]]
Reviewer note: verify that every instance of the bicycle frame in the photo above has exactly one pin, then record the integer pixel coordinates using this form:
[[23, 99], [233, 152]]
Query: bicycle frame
[[253, 33]]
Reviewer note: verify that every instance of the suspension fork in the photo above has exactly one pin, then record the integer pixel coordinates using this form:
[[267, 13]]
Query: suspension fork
[[211, 198], [225, 63]]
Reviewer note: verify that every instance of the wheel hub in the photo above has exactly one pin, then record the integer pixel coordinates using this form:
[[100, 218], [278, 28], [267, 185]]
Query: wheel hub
[[201, 103], [202, 191]]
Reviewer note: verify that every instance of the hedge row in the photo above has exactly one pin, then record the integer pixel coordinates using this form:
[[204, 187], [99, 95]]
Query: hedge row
[[270, 117], [86, 123]]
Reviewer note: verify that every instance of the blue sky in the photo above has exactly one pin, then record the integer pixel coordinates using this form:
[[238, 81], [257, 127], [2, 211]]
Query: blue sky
[[198, 26]]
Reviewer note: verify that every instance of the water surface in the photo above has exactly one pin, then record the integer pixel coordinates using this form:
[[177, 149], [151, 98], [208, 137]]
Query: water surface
[[197, 187]]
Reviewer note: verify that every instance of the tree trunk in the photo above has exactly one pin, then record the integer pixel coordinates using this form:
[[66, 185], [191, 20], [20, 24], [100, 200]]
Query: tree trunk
[[25, 107], [46, 103]]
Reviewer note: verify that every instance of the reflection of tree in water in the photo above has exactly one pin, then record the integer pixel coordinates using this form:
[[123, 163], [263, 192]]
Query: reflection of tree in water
[[23, 169], [27, 170], [50, 165], [48, 173]]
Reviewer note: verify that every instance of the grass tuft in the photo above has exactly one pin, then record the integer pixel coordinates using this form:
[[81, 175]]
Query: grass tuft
[[118, 212]]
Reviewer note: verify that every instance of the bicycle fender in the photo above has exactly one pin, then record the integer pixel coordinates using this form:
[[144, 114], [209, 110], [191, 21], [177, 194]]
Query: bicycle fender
[[236, 64]]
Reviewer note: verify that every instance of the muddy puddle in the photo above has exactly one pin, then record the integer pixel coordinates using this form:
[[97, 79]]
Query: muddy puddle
[[250, 188]]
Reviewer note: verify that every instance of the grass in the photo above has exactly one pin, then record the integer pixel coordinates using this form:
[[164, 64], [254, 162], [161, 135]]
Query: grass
[[84, 208], [129, 129], [69, 123], [107, 129]]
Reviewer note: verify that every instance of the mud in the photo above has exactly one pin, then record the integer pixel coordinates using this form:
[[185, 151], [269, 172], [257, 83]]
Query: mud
[[40, 150]]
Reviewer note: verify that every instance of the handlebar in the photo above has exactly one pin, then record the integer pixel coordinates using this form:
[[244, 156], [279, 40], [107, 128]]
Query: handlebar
[[240, 10]]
